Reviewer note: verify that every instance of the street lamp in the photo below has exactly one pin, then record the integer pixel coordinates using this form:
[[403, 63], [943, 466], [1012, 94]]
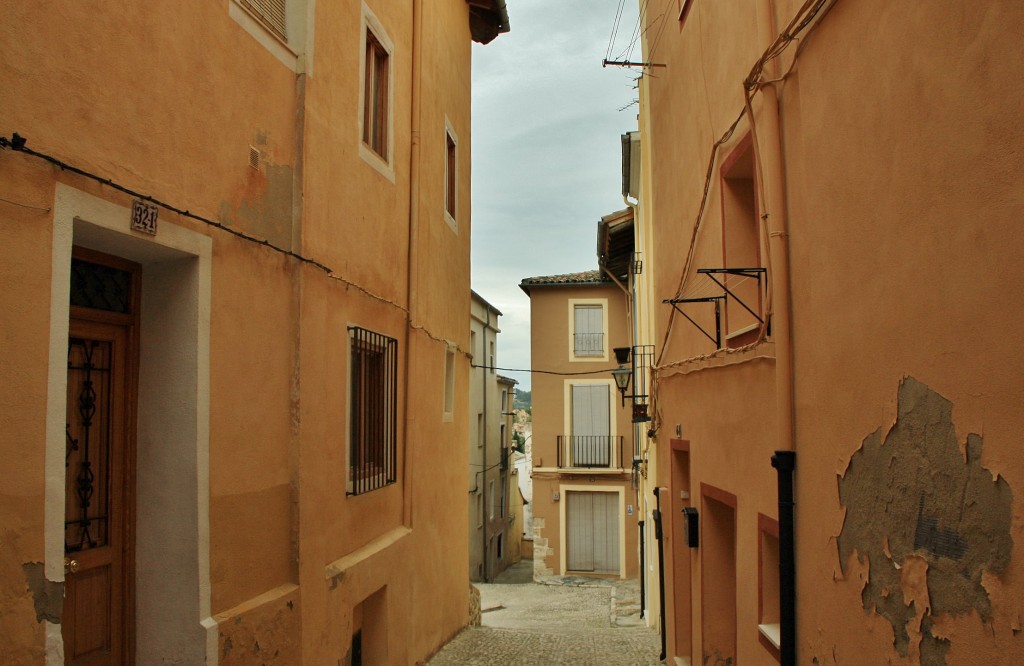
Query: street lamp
[[623, 373]]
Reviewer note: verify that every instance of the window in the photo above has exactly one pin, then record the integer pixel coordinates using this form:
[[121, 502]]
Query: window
[[449, 382], [741, 243], [450, 177], [271, 13], [490, 499], [492, 363], [479, 429], [588, 330], [768, 578], [373, 402], [684, 10], [591, 426], [504, 493], [282, 27], [375, 95]]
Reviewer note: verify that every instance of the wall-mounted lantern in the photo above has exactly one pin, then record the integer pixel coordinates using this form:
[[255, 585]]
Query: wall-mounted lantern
[[622, 376]]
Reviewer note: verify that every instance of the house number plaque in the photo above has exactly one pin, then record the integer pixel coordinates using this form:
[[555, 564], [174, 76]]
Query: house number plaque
[[144, 217]]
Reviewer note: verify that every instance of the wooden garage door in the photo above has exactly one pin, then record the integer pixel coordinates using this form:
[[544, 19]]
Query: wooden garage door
[[592, 532]]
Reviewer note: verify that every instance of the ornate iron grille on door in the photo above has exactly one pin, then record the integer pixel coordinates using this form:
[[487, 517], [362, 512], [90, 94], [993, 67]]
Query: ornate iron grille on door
[[87, 457]]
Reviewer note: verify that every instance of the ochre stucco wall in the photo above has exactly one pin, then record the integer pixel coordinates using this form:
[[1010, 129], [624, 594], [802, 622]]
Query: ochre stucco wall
[[169, 105], [899, 183]]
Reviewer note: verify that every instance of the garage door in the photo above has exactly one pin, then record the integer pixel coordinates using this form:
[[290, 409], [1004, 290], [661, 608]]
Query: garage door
[[592, 532]]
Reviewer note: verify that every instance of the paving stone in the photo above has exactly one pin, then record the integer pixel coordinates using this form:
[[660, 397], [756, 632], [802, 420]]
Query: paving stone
[[585, 622]]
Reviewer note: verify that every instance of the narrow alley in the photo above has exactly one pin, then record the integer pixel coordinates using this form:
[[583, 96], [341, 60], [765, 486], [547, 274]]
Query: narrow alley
[[569, 620]]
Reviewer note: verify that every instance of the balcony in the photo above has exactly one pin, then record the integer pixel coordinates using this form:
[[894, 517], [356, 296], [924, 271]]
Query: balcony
[[588, 344], [590, 451]]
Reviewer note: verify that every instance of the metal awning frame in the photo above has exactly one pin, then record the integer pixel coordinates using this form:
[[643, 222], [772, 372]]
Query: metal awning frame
[[756, 273]]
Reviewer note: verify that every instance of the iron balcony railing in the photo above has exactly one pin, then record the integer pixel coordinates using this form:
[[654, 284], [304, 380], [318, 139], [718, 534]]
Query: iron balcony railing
[[588, 344], [590, 451]]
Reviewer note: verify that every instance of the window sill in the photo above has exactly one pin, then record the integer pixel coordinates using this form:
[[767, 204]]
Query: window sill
[[374, 159], [742, 331], [773, 633], [267, 38]]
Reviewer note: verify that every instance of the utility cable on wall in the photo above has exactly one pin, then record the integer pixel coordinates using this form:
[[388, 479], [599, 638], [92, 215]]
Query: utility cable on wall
[[18, 143], [802, 25]]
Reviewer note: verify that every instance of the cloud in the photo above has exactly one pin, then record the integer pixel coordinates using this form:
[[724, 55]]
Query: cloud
[[546, 155]]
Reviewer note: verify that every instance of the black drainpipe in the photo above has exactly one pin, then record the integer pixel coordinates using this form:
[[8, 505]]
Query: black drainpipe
[[785, 463], [661, 567], [643, 566]]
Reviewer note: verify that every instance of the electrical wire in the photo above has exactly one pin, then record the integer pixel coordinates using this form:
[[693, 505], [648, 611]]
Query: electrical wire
[[21, 205], [615, 29], [661, 30], [544, 372], [17, 144], [802, 25]]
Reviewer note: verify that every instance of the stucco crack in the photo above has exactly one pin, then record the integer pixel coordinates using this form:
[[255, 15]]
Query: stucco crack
[[929, 520], [47, 595]]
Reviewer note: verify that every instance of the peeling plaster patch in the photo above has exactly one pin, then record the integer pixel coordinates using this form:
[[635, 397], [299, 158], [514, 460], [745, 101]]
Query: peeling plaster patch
[[47, 595], [264, 205], [928, 524]]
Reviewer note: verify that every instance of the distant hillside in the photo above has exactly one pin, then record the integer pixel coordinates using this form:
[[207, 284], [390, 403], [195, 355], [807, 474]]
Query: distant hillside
[[522, 400]]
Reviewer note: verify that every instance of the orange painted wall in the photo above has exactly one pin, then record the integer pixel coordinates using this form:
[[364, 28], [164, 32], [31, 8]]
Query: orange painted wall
[[899, 183], [170, 105]]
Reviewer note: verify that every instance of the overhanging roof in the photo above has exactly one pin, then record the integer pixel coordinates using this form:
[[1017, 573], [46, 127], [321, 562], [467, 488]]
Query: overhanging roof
[[615, 243], [487, 19], [585, 278]]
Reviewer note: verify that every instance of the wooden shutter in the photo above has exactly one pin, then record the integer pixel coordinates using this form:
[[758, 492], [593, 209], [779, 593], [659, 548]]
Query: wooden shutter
[[592, 532], [272, 12], [591, 443], [579, 531], [589, 330]]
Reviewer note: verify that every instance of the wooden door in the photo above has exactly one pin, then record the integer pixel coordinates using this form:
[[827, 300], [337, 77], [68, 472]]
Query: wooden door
[[97, 617]]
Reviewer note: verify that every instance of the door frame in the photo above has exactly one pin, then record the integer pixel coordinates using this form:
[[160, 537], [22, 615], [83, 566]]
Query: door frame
[[174, 355]]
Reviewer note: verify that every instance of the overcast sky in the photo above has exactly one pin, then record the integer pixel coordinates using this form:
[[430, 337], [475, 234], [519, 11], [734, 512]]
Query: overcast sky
[[546, 152]]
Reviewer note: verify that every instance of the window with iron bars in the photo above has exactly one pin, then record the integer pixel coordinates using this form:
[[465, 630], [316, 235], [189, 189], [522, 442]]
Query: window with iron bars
[[373, 409]]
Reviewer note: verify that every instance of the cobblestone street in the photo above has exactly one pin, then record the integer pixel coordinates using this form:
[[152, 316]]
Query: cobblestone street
[[568, 621]]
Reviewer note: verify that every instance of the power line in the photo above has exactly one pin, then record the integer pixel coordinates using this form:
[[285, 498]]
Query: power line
[[543, 372]]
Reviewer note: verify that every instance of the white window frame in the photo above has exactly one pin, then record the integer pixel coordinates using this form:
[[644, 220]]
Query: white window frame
[[613, 410], [451, 176], [384, 164], [573, 356], [294, 49], [448, 390]]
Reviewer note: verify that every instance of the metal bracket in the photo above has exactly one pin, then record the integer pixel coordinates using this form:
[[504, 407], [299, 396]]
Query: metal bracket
[[755, 273], [717, 337]]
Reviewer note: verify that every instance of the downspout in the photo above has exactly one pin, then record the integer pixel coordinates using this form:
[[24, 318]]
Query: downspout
[[770, 155], [659, 535], [486, 552], [411, 258], [643, 565]]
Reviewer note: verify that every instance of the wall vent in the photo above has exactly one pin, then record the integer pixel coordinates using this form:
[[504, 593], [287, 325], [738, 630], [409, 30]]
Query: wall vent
[[254, 158]]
